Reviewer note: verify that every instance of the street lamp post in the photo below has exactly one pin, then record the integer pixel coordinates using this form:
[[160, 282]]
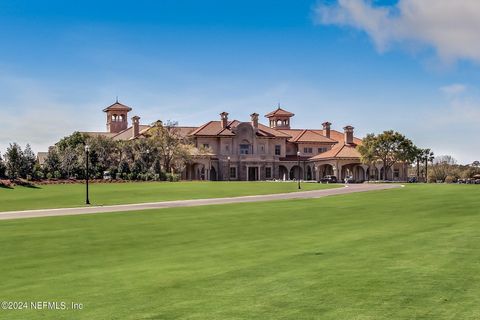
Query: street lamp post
[[228, 167], [298, 159], [87, 173]]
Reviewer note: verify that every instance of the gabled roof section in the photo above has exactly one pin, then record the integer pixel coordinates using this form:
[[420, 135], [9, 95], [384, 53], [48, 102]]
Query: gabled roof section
[[117, 106], [214, 128], [279, 112], [267, 131], [307, 135], [98, 134], [127, 134], [340, 151]]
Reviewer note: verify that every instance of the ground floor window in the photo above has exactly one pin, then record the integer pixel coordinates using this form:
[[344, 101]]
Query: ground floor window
[[268, 173], [396, 173], [233, 173]]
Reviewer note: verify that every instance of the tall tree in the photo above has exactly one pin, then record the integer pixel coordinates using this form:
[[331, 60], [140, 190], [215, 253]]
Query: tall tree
[[171, 146], [14, 161], [388, 147], [52, 161], [2, 167], [427, 156], [28, 162]]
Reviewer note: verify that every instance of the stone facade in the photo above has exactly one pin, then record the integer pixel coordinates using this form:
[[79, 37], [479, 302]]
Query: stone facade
[[249, 150]]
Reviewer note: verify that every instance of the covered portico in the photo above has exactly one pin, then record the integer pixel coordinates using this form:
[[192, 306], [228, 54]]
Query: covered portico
[[341, 168], [341, 161], [201, 168]]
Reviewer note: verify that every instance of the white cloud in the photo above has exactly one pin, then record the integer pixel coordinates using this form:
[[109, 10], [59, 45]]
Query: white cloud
[[454, 89], [451, 27]]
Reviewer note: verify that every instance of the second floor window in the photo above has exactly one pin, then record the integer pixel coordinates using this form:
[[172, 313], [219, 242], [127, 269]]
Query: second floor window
[[277, 150], [244, 149], [206, 145], [307, 150], [322, 149]]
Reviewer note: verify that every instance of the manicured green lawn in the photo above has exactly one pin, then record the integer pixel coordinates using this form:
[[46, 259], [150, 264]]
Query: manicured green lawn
[[409, 253], [73, 195]]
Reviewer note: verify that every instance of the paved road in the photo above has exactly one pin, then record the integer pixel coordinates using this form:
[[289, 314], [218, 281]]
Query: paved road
[[190, 203]]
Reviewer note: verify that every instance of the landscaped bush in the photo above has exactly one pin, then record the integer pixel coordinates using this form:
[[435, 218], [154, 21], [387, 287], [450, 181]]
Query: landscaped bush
[[173, 177], [450, 179]]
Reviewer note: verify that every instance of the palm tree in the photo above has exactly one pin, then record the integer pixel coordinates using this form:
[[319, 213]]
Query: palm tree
[[427, 156]]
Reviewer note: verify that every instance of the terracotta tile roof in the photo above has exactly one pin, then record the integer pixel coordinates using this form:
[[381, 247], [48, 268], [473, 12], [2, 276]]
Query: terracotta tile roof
[[214, 128], [340, 151], [272, 132], [307, 135], [117, 106], [339, 136], [97, 134], [185, 131], [127, 134], [279, 112]]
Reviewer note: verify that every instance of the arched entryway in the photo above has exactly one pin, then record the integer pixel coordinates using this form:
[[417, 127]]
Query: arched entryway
[[296, 172], [213, 174], [325, 170], [309, 173], [282, 172]]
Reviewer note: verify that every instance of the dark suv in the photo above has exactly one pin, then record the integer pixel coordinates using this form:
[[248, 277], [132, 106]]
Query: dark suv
[[329, 179]]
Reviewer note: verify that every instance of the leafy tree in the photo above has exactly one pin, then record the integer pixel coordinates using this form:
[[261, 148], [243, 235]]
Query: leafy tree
[[2, 167], [72, 141], [443, 167], [388, 147], [52, 161], [172, 148], [68, 161], [14, 161], [28, 162]]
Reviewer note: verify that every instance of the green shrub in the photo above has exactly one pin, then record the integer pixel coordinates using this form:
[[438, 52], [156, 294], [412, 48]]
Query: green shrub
[[450, 179]]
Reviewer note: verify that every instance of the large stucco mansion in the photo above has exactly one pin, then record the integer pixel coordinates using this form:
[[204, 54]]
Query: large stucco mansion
[[250, 150]]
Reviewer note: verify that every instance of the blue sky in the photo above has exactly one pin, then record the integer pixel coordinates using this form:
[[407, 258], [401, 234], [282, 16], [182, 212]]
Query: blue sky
[[364, 63]]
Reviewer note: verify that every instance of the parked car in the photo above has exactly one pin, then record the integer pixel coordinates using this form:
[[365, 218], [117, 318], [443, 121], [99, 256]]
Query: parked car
[[412, 180], [349, 179], [329, 179]]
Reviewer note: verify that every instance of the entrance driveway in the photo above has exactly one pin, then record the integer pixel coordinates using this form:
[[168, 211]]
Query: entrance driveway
[[191, 203]]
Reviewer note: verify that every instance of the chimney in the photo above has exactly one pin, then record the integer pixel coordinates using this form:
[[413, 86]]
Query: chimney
[[254, 117], [348, 134], [326, 129], [224, 118], [136, 126]]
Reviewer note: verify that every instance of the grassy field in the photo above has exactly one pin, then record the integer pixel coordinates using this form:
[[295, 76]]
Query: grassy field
[[410, 253], [73, 195]]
